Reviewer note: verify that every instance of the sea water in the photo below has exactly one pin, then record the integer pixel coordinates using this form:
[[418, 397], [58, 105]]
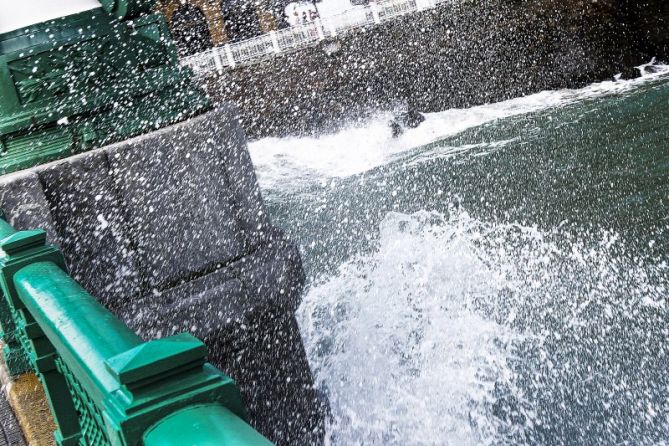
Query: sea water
[[498, 275]]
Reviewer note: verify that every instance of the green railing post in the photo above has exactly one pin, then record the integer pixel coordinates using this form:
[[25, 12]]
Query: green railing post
[[27, 345], [105, 385], [14, 357], [15, 354]]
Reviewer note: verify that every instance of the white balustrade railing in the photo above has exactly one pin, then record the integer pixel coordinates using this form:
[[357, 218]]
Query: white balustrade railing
[[287, 40]]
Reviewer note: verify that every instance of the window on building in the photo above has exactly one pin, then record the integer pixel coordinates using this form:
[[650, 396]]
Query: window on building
[[190, 30]]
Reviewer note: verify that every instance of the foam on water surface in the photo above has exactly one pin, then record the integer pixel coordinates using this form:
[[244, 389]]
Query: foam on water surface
[[452, 331], [397, 344], [449, 330], [357, 149]]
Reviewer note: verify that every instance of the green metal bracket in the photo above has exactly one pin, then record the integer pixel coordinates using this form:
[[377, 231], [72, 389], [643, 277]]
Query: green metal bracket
[[89, 79], [104, 385]]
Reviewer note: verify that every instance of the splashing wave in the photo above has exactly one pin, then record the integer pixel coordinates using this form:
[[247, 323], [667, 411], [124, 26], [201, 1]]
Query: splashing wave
[[454, 331], [359, 148]]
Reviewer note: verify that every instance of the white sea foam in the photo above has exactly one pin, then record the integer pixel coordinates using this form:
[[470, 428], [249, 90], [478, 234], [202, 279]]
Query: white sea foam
[[413, 340], [289, 163], [396, 341]]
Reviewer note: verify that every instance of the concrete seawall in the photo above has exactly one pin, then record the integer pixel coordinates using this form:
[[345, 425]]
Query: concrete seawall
[[457, 55], [170, 233]]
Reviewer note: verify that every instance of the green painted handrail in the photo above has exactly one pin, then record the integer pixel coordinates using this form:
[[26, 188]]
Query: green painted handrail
[[104, 384], [216, 425]]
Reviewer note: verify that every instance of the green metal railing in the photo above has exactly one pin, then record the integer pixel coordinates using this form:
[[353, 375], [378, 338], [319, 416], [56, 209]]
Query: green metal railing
[[89, 79], [104, 385]]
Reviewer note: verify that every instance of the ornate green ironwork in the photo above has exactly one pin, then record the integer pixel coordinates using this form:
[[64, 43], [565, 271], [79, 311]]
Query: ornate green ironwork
[[104, 385], [82, 81]]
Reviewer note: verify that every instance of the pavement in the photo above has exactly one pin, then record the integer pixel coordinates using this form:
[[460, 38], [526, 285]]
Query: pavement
[[10, 431], [25, 418]]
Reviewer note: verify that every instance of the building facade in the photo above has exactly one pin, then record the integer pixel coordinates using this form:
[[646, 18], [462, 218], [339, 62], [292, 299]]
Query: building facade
[[200, 24]]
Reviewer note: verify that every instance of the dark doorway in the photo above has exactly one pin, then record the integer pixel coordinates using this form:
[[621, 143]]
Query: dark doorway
[[190, 31], [241, 19]]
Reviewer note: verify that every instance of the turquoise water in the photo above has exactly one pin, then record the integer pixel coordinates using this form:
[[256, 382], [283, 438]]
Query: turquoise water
[[505, 283]]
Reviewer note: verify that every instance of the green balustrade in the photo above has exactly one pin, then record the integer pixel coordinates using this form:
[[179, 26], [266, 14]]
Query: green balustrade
[[104, 385], [82, 81]]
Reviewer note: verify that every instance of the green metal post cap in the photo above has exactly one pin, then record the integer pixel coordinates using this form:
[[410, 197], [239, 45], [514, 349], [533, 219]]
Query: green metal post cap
[[156, 357], [23, 240]]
